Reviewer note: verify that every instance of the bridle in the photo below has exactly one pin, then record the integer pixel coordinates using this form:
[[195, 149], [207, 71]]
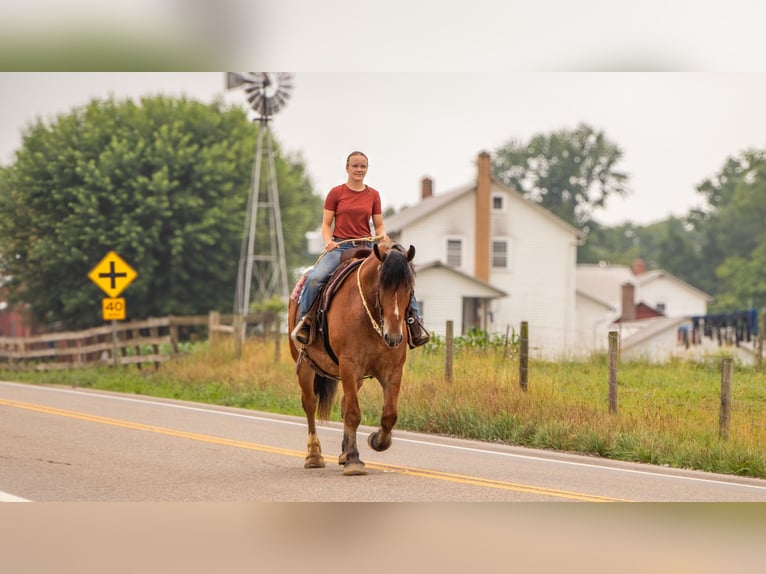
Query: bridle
[[375, 325]]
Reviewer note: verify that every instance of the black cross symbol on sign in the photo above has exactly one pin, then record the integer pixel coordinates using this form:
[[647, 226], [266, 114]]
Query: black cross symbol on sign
[[112, 275]]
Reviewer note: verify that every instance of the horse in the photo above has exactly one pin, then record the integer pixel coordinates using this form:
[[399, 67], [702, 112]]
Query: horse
[[366, 332]]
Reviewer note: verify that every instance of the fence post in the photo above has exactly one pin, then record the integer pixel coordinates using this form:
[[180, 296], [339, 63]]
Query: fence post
[[448, 349], [174, 337], [115, 356], [213, 322], [613, 371], [724, 417], [154, 333], [238, 330], [277, 332], [524, 356]]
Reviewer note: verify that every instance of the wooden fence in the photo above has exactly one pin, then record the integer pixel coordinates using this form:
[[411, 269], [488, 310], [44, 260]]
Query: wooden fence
[[149, 341]]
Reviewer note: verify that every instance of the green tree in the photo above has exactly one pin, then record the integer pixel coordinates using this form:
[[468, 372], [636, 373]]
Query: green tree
[[732, 231], [742, 281], [678, 251], [572, 173], [164, 183]]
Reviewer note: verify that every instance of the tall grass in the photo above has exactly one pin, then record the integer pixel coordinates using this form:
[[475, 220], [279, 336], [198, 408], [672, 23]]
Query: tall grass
[[667, 414]]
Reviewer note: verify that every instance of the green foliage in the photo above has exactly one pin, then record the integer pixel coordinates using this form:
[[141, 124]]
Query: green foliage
[[164, 183], [734, 234], [572, 173], [477, 340]]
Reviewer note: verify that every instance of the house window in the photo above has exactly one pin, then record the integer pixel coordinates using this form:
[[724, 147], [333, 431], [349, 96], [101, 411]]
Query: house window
[[498, 203], [661, 307], [454, 252], [500, 254]]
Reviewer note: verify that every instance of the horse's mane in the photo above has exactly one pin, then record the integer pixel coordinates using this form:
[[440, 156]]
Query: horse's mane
[[396, 270]]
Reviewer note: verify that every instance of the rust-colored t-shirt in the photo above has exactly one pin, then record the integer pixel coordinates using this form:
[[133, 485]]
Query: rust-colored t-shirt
[[353, 210]]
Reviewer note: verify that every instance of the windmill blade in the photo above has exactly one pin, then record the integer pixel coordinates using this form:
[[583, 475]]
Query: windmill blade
[[266, 92], [265, 79], [255, 100], [234, 79], [280, 99]]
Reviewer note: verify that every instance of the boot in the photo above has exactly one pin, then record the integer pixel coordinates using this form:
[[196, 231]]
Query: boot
[[302, 331], [418, 335]]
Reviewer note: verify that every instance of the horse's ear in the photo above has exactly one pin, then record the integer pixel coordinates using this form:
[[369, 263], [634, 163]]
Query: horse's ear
[[378, 254], [411, 253]]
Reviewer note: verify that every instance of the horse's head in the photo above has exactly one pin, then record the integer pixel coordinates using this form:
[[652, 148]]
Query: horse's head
[[396, 282]]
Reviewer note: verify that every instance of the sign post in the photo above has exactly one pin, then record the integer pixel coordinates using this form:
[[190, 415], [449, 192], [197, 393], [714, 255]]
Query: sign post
[[112, 275]]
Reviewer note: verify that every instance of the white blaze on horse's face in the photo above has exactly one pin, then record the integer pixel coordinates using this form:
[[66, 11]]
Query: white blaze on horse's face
[[392, 330], [395, 297]]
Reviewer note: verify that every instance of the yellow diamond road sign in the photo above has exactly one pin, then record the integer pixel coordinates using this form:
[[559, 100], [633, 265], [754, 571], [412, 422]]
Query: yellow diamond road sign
[[112, 274]]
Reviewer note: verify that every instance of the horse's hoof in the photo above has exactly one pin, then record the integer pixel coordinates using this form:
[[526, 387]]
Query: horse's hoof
[[375, 444], [354, 469], [314, 463]]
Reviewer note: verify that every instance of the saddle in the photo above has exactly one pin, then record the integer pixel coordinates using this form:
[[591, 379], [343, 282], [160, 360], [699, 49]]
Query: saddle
[[349, 261]]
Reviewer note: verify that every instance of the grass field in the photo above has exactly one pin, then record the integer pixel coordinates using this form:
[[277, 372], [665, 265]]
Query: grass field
[[667, 414]]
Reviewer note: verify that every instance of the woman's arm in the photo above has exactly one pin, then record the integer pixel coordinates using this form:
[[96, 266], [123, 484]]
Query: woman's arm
[[327, 219], [380, 228]]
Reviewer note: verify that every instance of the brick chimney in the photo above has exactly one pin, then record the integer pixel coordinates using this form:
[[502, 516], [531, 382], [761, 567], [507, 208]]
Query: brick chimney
[[628, 302], [426, 188], [483, 192], [638, 267]]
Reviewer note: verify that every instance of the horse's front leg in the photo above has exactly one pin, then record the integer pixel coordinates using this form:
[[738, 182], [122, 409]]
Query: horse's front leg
[[380, 440], [352, 416], [314, 457]]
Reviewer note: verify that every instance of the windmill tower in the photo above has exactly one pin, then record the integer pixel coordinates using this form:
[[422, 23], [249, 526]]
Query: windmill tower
[[262, 260]]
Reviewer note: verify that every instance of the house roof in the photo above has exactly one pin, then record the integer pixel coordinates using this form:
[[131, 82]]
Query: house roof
[[492, 291], [649, 276], [603, 282], [651, 328], [395, 223], [400, 220], [605, 304], [643, 312]]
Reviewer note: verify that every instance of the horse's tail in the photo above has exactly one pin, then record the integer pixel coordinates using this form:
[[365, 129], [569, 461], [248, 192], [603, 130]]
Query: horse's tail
[[324, 388]]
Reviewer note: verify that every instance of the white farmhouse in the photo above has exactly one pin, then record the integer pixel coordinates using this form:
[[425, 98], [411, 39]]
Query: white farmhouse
[[487, 258]]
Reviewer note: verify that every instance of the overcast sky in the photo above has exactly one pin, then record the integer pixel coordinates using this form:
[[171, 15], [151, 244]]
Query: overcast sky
[[675, 129]]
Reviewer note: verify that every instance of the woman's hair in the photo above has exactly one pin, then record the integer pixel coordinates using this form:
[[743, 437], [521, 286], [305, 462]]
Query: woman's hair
[[353, 153]]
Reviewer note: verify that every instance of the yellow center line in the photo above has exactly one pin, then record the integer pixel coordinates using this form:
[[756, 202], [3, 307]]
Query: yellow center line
[[410, 471]]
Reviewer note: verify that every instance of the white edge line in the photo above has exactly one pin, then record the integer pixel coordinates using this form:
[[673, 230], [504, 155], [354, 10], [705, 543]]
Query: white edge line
[[5, 497], [148, 400]]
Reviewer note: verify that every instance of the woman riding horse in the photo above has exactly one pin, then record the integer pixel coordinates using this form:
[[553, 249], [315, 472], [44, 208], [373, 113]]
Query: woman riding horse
[[363, 335], [347, 212]]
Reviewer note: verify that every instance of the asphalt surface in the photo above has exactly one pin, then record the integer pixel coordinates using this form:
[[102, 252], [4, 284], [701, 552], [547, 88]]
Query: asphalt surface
[[62, 444]]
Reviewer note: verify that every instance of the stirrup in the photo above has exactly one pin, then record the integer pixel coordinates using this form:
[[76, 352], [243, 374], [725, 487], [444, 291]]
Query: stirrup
[[301, 332], [418, 334]]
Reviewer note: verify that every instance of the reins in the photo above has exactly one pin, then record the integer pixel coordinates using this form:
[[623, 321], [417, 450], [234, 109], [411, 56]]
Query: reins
[[342, 241], [375, 325]]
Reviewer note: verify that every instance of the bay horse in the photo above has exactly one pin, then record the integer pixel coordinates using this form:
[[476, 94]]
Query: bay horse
[[366, 331]]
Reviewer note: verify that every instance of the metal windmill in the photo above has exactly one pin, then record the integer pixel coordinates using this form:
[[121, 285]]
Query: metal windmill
[[267, 93]]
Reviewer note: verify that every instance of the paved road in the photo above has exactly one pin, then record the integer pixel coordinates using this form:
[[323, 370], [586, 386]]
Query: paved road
[[65, 444]]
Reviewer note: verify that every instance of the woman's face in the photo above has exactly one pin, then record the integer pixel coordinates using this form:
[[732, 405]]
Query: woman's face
[[357, 168]]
